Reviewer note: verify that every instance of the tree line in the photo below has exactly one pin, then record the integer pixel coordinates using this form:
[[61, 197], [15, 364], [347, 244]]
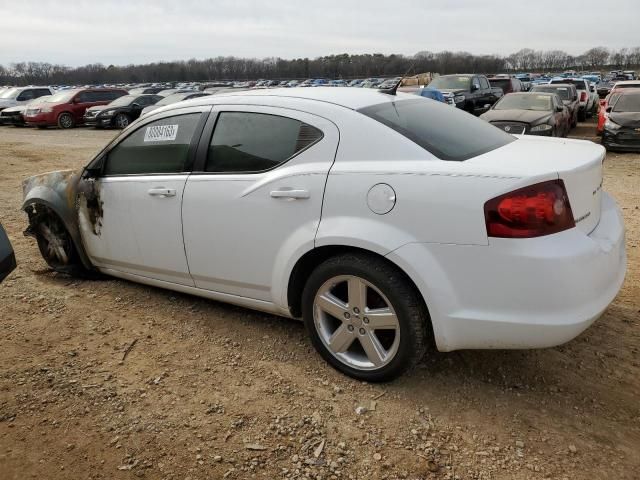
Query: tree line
[[332, 66]]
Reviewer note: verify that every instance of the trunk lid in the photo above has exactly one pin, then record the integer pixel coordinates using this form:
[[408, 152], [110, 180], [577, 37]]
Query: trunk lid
[[578, 163]]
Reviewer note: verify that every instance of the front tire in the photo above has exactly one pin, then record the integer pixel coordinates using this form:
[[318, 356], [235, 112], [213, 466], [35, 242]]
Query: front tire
[[121, 121], [364, 317], [65, 120]]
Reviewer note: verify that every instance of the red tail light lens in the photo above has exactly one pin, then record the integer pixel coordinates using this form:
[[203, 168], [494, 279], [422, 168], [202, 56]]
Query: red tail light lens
[[583, 97], [534, 211]]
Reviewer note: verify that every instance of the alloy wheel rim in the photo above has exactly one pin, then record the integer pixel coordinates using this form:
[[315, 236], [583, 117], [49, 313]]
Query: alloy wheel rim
[[121, 121], [356, 322], [66, 121]]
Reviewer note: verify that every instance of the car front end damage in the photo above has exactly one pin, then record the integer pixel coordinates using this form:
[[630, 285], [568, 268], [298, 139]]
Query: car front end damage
[[54, 203]]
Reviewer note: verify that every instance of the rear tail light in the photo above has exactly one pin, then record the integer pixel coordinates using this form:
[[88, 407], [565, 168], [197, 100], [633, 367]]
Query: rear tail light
[[534, 211], [583, 97]]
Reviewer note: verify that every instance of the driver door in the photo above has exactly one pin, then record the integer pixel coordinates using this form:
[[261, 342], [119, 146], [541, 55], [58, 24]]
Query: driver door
[[131, 216]]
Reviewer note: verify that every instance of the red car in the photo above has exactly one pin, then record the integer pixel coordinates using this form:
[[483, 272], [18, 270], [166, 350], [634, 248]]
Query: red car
[[65, 109]]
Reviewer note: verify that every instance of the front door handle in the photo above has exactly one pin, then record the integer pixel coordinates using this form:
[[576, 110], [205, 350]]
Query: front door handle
[[162, 192], [293, 193]]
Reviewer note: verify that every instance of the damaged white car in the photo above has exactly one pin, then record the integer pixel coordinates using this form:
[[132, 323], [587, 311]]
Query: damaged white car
[[385, 221]]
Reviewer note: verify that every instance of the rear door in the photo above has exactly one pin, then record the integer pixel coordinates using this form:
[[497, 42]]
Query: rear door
[[138, 229], [257, 197]]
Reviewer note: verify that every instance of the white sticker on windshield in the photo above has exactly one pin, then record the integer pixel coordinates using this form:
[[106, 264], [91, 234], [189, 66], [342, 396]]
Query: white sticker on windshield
[[161, 133]]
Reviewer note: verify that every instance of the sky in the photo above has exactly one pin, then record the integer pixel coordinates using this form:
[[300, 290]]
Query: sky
[[119, 32]]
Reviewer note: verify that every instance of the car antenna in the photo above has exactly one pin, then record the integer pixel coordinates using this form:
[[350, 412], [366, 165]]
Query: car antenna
[[394, 89]]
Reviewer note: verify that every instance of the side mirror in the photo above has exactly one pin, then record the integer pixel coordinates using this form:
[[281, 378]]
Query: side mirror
[[575, 97], [135, 105], [474, 88], [608, 109]]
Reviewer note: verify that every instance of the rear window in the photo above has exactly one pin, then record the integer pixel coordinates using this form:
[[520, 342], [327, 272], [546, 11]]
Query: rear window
[[446, 132], [627, 103], [563, 92], [580, 84], [503, 83]]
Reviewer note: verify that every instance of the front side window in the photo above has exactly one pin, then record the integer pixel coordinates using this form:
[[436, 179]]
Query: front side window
[[255, 142], [26, 95], [158, 147], [448, 133], [484, 83]]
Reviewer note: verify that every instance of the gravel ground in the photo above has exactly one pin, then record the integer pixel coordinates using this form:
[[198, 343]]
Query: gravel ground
[[209, 390]]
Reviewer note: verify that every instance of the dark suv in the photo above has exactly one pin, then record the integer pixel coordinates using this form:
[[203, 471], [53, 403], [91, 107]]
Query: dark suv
[[66, 109]]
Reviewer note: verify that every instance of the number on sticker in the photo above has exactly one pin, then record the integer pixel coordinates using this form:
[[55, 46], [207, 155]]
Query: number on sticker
[[161, 133]]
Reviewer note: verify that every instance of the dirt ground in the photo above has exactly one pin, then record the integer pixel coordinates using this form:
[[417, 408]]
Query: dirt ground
[[212, 391]]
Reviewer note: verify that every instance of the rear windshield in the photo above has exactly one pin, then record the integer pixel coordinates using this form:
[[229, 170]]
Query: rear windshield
[[452, 82], [580, 84], [500, 82], [446, 132]]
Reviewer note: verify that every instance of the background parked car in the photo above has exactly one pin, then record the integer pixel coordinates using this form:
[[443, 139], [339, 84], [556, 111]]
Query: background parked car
[[7, 257], [471, 93], [528, 113], [176, 97], [15, 115], [567, 93], [66, 109], [146, 90], [13, 97], [586, 101], [119, 113], [507, 84], [622, 128]]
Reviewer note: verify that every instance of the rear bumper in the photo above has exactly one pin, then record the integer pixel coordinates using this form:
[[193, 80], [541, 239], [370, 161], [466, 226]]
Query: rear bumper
[[531, 293]]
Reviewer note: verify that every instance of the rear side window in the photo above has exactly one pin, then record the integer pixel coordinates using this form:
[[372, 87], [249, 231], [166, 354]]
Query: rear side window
[[446, 132], [158, 147], [255, 142]]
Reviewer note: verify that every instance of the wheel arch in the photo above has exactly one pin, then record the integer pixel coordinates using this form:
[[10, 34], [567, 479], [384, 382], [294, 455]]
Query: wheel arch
[[314, 257], [63, 208]]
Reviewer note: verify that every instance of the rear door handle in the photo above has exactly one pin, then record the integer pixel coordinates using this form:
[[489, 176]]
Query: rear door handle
[[294, 194], [162, 192]]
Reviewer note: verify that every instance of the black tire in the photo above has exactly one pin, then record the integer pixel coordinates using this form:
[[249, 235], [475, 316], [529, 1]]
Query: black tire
[[582, 115], [121, 120], [412, 315], [66, 120], [49, 228]]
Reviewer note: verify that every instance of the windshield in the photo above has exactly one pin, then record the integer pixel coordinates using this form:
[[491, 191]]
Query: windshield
[[11, 93], [540, 103], [451, 83], [627, 103], [448, 133], [563, 92], [61, 97], [123, 101]]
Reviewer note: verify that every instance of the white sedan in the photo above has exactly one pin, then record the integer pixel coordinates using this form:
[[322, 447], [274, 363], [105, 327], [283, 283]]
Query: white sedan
[[386, 222]]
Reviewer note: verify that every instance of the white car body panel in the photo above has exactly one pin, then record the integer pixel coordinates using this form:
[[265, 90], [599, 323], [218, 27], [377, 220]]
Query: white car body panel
[[242, 244], [237, 233]]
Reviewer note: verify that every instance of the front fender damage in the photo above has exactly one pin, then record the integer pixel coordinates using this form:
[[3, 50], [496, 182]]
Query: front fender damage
[[71, 197]]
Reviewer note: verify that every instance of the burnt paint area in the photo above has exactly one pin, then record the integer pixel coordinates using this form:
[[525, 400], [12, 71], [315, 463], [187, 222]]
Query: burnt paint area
[[90, 204]]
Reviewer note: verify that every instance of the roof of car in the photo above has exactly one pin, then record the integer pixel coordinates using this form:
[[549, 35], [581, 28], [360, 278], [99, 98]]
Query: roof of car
[[628, 82], [354, 99]]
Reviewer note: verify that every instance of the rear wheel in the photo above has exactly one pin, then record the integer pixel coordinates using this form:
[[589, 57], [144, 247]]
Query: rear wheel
[[364, 317], [65, 120], [582, 115]]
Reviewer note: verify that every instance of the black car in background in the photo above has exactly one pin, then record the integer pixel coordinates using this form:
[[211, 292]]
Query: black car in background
[[173, 98], [622, 127], [7, 257], [119, 113], [567, 93], [530, 114]]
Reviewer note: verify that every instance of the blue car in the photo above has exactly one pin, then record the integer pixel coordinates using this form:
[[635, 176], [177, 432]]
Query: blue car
[[431, 93]]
